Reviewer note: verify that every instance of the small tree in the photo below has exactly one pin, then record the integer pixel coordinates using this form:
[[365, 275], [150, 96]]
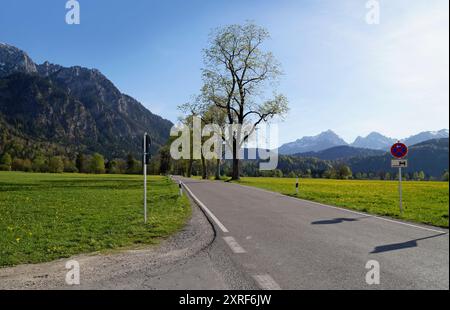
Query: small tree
[[17, 164], [344, 172], [80, 163], [39, 164], [117, 166], [70, 166], [421, 176], [56, 164], [27, 166], [445, 176], [131, 164], [292, 174], [164, 160], [6, 162], [97, 164], [308, 173], [277, 173]]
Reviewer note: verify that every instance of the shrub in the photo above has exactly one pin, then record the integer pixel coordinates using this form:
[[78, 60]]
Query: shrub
[[56, 165]]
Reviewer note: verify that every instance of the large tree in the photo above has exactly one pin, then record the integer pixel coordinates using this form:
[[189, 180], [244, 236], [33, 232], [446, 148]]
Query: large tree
[[239, 77]]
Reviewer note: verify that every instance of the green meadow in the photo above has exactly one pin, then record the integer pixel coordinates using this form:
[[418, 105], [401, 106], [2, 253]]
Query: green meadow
[[49, 216], [424, 202]]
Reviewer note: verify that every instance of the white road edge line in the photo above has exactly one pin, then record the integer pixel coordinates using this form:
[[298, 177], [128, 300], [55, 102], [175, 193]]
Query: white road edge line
[[372, 216], [235, 247], [266, 282], [202, 205], [346, 210]]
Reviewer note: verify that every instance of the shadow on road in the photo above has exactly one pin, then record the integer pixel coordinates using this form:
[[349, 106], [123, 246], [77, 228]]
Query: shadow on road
[[401, 245], [335, 221]]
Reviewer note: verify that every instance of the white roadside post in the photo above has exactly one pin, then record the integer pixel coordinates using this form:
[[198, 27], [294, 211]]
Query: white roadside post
[[296, 187], [144, 161], [145, 158], [181, 188]]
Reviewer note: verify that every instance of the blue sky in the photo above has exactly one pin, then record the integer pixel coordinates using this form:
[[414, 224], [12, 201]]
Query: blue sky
[[340, 72]]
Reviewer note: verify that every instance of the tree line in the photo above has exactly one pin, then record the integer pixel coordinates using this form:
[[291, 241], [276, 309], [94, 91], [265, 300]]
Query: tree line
[[288, 166], [83, 163], [163, 164]]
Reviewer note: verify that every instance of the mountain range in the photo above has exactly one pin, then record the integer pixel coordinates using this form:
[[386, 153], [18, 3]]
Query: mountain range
[[374, 141], [72, 109]]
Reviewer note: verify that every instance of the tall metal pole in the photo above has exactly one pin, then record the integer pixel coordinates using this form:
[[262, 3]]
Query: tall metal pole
[[400, 189], [145, 177]]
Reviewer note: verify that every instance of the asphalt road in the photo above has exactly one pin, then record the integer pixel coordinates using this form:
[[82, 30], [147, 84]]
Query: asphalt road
[[285, 243]]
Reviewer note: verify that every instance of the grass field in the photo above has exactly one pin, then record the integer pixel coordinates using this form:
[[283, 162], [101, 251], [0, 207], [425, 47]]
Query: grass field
[[49, 216], [424, 202]]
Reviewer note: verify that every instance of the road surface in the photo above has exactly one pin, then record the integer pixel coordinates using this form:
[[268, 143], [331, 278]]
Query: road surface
[[286, 243]]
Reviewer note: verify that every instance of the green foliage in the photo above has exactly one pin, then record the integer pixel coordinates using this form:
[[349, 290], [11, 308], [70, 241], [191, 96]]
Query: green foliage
[[344, 172], [69, 166], [44, 217], [5, 167], [276, 173], [40, 164], [97, 164], [421, 176], [116, 166], [133, 166], [56, 165], [445, 176], [21, 165], [292, 174], [80, 163], [5, 162], [165, 160]]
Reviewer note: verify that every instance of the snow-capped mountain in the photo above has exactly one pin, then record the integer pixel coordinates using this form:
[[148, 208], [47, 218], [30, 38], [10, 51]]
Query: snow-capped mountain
[[425, 136], [317, 143], [375, 141]]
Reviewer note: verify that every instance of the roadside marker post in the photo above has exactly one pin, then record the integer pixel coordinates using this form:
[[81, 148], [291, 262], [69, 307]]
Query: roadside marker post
[[296, 186], [145, 159], [399, 151], [181, 188]]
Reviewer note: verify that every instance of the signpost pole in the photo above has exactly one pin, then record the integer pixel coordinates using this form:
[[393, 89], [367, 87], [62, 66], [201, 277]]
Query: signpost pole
[[399, 151], [400, 188], [145, 177]]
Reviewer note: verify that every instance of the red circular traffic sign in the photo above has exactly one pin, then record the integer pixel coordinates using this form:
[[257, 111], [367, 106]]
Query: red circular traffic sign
[[399, 150]]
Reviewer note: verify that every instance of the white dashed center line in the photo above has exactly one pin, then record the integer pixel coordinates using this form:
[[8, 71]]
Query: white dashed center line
[[266, 282]]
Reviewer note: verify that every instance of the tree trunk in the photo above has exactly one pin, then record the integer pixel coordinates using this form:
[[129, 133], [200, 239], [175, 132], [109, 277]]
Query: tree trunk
[[204, 176], [236, 173], [189, 169], [218, 169]]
